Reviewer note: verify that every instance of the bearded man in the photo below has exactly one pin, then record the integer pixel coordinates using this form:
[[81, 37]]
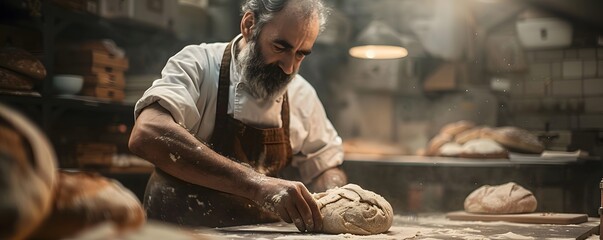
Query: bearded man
[[225, 119]]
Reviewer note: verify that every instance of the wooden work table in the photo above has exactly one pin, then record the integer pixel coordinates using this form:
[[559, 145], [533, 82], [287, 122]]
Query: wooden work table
[[422, 226]]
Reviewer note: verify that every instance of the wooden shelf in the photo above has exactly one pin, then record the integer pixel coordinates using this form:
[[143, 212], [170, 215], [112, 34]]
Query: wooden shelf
[[57, 115]]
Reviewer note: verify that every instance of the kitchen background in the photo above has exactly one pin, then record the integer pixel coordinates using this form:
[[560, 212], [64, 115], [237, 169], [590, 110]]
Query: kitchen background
[[475, 60]]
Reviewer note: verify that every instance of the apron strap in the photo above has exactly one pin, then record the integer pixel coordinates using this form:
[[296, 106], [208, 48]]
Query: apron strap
[[223, 88]]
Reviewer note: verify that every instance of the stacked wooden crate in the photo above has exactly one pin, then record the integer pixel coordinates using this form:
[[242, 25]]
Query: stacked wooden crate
[[95, 154], [101, 64]]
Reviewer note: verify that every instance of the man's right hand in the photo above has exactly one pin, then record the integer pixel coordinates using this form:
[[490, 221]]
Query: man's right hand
[[291, 201]]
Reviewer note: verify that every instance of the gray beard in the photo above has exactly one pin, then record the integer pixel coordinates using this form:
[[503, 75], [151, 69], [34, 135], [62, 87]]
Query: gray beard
[[263, 81]]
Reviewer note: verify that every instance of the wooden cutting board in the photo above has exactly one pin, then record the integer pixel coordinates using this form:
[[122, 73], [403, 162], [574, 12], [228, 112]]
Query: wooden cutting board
[[550, 218]]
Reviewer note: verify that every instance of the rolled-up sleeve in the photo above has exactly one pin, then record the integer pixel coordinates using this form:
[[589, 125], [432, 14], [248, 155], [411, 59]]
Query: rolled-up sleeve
[[178, 88], [318, 145]]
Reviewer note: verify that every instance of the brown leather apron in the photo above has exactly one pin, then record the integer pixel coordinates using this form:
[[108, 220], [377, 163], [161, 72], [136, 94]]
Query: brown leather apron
[[266, 150]]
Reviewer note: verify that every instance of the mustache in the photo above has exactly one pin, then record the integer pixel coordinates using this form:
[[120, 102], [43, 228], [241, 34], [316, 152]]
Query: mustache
[[267, 80]]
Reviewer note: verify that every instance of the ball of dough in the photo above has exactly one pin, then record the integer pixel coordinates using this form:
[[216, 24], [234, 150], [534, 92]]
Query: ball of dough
[[27, 175], [501, 199], [351, 209]]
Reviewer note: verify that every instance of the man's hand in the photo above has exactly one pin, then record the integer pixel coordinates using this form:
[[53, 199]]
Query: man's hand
[[331, 178], [291, 201]]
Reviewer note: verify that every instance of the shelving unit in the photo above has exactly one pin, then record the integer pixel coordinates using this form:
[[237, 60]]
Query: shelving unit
[[54, 113]]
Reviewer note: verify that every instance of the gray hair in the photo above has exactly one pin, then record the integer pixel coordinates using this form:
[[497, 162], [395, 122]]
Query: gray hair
[[264, 10]]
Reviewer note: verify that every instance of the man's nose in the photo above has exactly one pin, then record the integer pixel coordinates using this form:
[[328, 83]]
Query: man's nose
[[287, 64]]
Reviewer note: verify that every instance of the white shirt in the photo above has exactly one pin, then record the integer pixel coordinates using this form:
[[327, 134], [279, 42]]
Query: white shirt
[[188, 89]]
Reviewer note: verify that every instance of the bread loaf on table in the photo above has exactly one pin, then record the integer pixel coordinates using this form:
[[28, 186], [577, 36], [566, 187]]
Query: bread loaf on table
[[501, 199], [84, 200], [27, 175]]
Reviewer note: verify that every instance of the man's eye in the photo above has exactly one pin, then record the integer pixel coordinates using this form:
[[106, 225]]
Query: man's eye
[[278, 48], [299, 55]]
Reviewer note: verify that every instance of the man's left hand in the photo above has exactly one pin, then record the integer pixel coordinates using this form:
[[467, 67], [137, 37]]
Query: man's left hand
[[331, 178]]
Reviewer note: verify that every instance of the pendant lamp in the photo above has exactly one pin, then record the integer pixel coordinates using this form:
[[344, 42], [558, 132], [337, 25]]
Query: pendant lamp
[[378, 41]]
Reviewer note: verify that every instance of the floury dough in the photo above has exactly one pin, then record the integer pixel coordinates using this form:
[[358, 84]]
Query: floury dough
[[501, 199], [351, 209]]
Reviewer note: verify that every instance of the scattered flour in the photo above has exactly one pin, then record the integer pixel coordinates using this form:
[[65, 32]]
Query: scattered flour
[[510, 235], [174, 157]]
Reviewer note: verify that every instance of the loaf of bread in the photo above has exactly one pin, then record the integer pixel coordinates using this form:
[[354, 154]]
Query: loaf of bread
[[501, 199], [13, 81], [433, 146], [20, 61], [84, 200], [451, 149], [455, 128], [474, 133], [483, 148], [27, 175], [516, 140]]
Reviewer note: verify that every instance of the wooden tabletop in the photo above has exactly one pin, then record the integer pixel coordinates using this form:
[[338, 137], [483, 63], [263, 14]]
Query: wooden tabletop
[[424, 226]]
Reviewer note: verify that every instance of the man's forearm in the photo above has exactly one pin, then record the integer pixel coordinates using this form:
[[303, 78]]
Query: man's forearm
[[158, 139]]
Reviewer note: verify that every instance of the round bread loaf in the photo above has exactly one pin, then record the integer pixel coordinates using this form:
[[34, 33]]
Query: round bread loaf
[[455, 128], [27, 175], [483, 148], [22, 62], [433, 146], [516, 140], [84, 200], [501, 199]]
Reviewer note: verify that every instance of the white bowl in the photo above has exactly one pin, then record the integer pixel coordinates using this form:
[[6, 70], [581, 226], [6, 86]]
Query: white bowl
[[67, 84]]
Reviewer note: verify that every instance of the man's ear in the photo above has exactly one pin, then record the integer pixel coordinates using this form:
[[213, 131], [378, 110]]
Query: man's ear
[[247, 25]]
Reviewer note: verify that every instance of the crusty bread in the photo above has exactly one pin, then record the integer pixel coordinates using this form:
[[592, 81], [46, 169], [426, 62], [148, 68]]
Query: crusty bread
[[21, 61], [451, 149], [84, 200], [27, 175], [483, 148], [516, 139], [13, 81], [433, 146], [455, 128], [501, 199], [474, 133]]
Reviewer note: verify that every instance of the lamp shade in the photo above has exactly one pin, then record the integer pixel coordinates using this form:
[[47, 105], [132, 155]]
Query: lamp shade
[[378, 41]]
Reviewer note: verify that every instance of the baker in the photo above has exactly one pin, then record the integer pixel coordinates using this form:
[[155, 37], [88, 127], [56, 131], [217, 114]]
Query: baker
[[225, 119]]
